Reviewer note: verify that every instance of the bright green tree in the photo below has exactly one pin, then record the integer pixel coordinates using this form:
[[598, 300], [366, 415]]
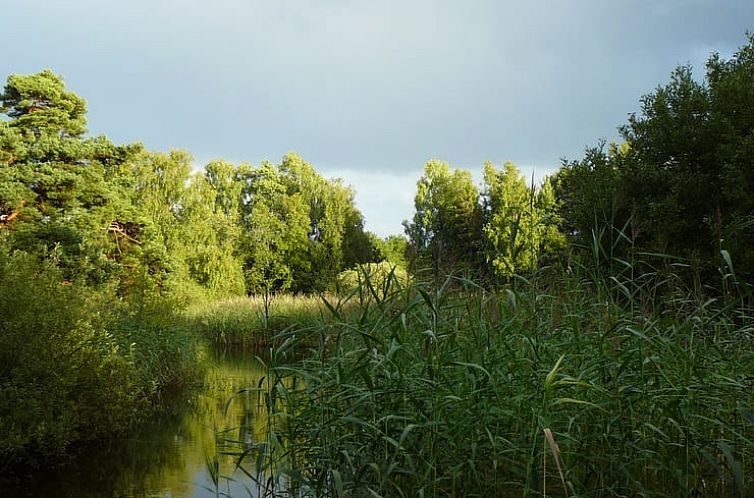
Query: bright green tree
[[333, 218], [267, 238], [393, 249], [39, 105], [508, 228], [211, 238], [445, 233], [521, 223]]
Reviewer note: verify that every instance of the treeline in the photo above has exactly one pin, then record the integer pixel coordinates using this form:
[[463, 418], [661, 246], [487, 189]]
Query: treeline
[[679, 184], [119, 213], [679, 189], [506, 229]]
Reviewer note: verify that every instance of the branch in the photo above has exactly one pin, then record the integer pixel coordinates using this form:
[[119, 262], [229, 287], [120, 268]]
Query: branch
[[5, 219]]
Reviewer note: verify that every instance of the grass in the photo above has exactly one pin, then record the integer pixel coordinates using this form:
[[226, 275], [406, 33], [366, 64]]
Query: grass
[[243, 321], [255, 321], [567, 386]]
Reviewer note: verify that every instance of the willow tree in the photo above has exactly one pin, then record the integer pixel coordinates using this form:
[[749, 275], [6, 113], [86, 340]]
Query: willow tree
[[210, 240], [187, 235], [275, 230], [333, 219]]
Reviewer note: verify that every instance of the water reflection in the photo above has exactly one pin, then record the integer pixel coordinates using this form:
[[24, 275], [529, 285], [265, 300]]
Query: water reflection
[[180, 455]]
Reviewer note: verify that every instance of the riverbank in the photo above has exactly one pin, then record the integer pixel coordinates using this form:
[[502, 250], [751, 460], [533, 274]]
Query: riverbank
[[569, 386], [80, 364], [169, 454]]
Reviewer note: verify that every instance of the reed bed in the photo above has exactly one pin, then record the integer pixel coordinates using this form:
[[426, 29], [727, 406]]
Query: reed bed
[[258, 321], [255, 321], [587, 388]]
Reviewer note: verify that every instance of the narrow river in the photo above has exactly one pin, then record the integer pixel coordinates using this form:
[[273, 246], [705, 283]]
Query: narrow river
[[171, 457]]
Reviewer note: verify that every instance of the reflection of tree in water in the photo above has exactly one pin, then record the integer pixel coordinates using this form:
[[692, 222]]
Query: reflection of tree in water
[[167, 457], [146, 462], [241, 423]]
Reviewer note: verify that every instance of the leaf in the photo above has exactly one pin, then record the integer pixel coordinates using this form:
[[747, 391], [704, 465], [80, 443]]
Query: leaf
[[747, 414], [338, 480], [727, 259], [556, 455], [472, 365]]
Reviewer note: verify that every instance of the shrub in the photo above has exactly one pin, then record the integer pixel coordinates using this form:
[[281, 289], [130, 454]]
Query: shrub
[[62, 375], [379, 275]]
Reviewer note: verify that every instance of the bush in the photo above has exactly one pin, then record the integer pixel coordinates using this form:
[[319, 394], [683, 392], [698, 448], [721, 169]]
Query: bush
[[78, 364], [62, 375], [379, 275]]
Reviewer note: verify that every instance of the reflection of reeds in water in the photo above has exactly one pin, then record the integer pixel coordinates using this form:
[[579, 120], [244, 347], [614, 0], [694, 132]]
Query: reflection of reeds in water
[[237, 455], [212, 460]]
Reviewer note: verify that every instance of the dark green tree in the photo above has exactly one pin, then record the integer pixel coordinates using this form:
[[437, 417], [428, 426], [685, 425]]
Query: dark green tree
[[681, 184], [55, 190]]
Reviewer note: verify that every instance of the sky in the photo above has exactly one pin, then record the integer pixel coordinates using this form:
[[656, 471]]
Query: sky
[[368, 90]]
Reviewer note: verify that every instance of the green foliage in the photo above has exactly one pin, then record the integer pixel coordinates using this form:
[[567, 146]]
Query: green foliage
[[507, 231], [181, 231], [63, 377], [359, 247], [275, 230], [639, 385], [681, 183], [332, 217], [298, 229], [380, 276], [79, 365], [445, 232], [54, 190], [393, 249], [520, 225], [39, 105], [469, 393], [86, 251], [165, 353]]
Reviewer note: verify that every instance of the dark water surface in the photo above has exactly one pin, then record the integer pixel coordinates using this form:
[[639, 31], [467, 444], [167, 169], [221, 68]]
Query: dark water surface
[[170, 457]]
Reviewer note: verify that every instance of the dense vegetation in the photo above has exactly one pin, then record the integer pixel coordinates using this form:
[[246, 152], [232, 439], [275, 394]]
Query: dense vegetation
[[102, 245], [567, 390], [588, 336]]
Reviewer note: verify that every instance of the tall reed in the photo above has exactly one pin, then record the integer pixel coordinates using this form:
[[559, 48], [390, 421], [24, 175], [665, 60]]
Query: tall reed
[[449, 391]]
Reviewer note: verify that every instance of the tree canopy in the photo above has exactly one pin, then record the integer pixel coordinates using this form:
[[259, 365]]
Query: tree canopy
[[110, 211], [681, 183]]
